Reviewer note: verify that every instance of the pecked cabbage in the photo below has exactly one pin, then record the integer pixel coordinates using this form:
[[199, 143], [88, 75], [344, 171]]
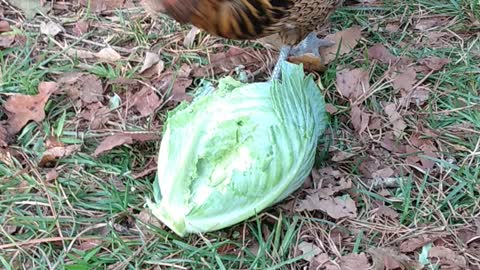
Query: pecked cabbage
[[232, 153]]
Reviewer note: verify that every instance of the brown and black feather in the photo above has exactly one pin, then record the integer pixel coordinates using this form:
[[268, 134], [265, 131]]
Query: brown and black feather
[[250, 19]]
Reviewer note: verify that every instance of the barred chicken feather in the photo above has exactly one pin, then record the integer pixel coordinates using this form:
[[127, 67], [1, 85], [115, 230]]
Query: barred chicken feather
[[293, 20]]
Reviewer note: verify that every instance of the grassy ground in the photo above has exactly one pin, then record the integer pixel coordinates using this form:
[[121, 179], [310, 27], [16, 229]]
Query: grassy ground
[[90, 214]]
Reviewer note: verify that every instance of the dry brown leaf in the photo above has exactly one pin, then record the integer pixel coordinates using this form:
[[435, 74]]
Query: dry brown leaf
[[96, 115], [330, 108], [383, 173], [310, 250], [89, 244], [81, 27], [434, 63], [24, 108], [319, 261], [336, 208], [152, 65], [405, 79], [330, 183], [84, 86], [395, 119], [50, 28], [108, 54], [180, 80], [391, 259], [5, 27], [413, 244], [6, 41], [447, 258], [225, 62], [104, 5], [347, 40], [380, 53], [428, 24], [387, 212], [81, 54], [51, 175], [55, 152], [421, 147], [392, 27], [352, 84], [360, 119], [342, 155], [118, 139], [146, 101], [354, 262]]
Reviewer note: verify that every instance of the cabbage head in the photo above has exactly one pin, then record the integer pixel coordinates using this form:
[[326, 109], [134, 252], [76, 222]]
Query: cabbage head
[[236, 151]]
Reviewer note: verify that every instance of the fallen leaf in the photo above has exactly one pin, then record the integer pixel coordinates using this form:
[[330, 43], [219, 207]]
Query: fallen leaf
[[51, 175], [152, 65], [89, 244], [413, 244], [330, 185], [118, 139], [6, 41], [347, 40], [387, 212], [225, 62], [190, 37], [354, 262], [392, 27], [175, 84], [81, 54], [342, 155], [330, 108], [383, 173], [146, 101], [405, 79], [108, 54], [434, 63], [30, 7], [380, 53], [336, 208], [310, 250], [84, 86], [390, 259], [80, 28], [50, 28], [428, 24], [24, 108], [55, 152], [360, 119], [5, 27], [98, 6], [396, 119], [318, 261], [147, 218], [352, 84], [96, 115], [447, 258]]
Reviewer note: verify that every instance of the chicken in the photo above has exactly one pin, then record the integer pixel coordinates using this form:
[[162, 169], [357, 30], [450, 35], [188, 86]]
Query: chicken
[[293, 20]]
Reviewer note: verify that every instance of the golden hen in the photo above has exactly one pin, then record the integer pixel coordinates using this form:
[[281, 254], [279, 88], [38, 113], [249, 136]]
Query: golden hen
[[293, 20]]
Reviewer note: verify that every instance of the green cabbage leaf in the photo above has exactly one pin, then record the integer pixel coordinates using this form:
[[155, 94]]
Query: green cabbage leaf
[[236, 151]]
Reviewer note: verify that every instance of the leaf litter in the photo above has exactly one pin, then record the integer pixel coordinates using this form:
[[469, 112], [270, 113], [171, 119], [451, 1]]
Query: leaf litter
[[332, 191]]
